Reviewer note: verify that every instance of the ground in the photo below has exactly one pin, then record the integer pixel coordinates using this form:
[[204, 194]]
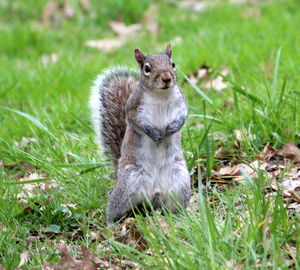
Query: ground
[[238, 65]]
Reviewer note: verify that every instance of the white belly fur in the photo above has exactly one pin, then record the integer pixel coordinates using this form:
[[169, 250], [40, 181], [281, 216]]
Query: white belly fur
[[158, 160]]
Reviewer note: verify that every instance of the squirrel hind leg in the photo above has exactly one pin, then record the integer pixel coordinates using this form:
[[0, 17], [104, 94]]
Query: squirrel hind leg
[[128, 196]]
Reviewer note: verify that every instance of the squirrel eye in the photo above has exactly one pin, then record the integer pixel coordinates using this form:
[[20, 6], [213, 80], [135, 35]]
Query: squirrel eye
[[147, 69], [173, 65]]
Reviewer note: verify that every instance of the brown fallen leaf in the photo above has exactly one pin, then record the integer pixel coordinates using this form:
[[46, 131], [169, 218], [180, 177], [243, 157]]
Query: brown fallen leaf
[[150, 19], [70, 263], [205, 77], [292, 251], [105, 45], [125, 31], [24, 256], [280, 167], [3, 228], [85, 5], [50, 9], [195, 5], [32, 189], [291, 151], [295, 206], [267, 68], [194, 203], [176, 40], [217, 83], [267, 153], [68, 11], [234, 171], [49, 59], [291, 183], [130, 235], [162, 224], [242, 135], [88, 262], [25, 142], [253, 13], [201, 73]]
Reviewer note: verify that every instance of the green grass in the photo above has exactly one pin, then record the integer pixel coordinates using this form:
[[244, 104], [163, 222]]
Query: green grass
[[243, 227]]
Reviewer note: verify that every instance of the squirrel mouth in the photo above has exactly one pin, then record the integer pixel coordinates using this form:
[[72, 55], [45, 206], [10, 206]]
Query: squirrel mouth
[[167, 85]]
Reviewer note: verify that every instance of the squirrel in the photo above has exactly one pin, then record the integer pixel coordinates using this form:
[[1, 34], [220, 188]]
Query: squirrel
[[137, 117]]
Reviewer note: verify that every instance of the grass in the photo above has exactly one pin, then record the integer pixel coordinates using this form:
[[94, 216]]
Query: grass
[[233, 227]]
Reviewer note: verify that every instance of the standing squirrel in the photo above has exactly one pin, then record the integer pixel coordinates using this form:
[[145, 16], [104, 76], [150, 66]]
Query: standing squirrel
[[137, 118]]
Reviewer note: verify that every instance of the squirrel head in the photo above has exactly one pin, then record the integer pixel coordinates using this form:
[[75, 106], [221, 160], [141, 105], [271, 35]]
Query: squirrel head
[[157, 70]]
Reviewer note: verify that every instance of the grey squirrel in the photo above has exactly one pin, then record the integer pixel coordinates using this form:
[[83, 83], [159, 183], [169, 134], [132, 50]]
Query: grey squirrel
[[137, 117]]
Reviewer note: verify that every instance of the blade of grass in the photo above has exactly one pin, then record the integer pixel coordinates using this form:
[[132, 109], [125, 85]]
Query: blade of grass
[[207, 117], [27, 181], [275, 75], [78, 165], [30, 118], [196, 88], [90, 169], [246, 94]]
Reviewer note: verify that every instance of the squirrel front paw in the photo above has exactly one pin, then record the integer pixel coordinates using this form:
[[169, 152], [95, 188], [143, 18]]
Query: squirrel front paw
[[175, 126], [171, 129], [154, 134]]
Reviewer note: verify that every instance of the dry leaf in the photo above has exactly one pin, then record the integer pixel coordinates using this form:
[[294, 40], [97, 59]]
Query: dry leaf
[[88, 262], [130, 235], [125, 31], [68, 10], [292, 251], [295, 206], [150, 19], [251, 12], [234, 171], [242, 135], [70, 263], [32, 189], [194, 5], [267, 153], [194, 203], [176, 40], [49, 59], [218, 83], [25, 142], [23, 258], [203, 74], [163, 225], [105, 45], [241, 2], [85, 5], [291, 185], [291, 151], [228, 103], [3, 228], [49, 11]]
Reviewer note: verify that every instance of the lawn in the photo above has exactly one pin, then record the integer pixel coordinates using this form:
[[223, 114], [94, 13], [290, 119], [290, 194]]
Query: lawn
[[238, 65]]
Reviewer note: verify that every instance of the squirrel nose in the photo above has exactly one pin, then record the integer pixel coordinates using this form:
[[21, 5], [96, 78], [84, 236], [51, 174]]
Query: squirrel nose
[[166, 77]]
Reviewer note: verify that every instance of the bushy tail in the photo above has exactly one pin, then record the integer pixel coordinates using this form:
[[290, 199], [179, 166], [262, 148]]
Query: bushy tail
[[107, 101]]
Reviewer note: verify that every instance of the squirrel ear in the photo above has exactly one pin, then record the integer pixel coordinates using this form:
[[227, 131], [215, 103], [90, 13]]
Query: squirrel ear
[[169, 50], [140, 57]]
